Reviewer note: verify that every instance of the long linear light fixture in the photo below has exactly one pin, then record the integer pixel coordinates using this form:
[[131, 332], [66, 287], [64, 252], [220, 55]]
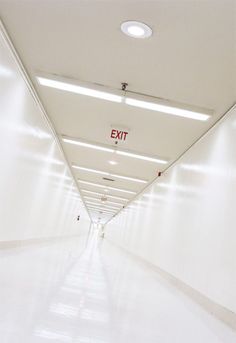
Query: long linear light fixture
[[73, 88], [102, 194], [103, 202], [115, 207], [106, 187], [141, 157], [105, 206], [101, 211], [96, 146], [130, 99], [103, 215], [86, 145], [97, 209], [96, 171], [91, 170]]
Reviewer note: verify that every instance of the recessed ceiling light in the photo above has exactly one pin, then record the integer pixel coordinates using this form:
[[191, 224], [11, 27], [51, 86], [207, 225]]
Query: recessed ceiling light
[[113, 163], [136, 29]]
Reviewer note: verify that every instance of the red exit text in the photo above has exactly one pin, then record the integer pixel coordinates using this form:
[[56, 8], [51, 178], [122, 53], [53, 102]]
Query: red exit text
[[120, 135]]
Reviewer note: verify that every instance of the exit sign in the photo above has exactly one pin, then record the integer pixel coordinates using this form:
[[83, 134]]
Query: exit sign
[[119, 135]]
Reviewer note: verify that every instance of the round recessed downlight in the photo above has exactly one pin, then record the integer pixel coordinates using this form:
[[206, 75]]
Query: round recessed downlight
[[113, 163], [136, 29]]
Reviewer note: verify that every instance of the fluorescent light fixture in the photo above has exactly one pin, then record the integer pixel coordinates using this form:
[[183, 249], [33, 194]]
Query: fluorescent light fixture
[[103, 211], [104, 186], [107, 195], [102, 205], [102, 92], [129, 178], [113, 202], [120, 190], [141, 157], [92, 184], [97, 200], [118, 198], [98, 209], [103, 202], [73, 88], [108, 149], [96, 203], [90, 170], [86, 145], [96, 171], [96, 214], [166, 109]]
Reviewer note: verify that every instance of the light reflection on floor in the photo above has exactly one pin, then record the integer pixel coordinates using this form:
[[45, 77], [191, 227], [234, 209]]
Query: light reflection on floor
[[54, 293]]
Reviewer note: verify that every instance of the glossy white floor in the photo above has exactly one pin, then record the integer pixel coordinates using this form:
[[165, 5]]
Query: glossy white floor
[[59, 292]]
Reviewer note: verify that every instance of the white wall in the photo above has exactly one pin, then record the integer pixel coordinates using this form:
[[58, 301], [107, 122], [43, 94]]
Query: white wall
[[38, 197], [185, 223]]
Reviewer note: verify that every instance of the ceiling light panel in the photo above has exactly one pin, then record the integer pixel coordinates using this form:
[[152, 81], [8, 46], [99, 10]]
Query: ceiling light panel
[[100, 147], [96, 171], [96, 209], [102, 205], [102, 194], [91, 170], [113, 207], [131, 99], [86, 145], [167, 109], [141, 157], [73, 88], [104, 186], [129, 178], [101, 212], [103, 202]]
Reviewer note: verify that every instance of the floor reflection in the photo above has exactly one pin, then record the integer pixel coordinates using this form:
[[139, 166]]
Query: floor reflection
[[60, 292]]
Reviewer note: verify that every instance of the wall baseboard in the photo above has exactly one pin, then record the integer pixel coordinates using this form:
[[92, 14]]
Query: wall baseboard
[[218, 311]]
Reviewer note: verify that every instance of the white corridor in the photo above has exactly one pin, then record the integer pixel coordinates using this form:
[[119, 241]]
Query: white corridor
[[59, 292]]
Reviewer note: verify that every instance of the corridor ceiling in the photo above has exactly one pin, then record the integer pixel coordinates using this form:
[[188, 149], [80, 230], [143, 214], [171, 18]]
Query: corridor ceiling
[[189, 59]]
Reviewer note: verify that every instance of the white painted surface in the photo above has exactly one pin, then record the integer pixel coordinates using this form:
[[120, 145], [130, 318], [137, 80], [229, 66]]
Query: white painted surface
[[189, 59], [185, 222], [38, 197], [53, 293]]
